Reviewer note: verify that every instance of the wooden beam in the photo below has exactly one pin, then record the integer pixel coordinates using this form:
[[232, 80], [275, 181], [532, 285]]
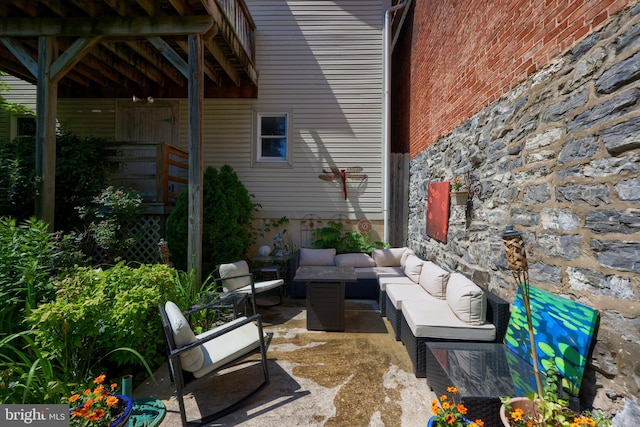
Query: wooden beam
[[224, 62], [134, 61], [46, 106], [71, 56], [152, 55], [170, 54], [207, 69], [106, 26], [23, 55], [195, 101]]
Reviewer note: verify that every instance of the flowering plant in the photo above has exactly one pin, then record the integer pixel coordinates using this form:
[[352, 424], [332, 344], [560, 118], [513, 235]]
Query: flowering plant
[[449, 413], [548, 413], [457, 184], [95, 407]]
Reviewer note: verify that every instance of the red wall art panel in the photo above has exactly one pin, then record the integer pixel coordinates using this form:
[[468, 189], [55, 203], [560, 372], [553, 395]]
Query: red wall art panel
[[438, 211]]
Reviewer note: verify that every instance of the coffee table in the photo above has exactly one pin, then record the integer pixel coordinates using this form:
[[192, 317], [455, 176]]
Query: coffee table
[[325, 295]]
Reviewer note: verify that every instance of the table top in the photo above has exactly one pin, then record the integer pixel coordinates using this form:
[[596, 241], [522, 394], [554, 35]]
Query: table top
[[325, 273], [484, 369]]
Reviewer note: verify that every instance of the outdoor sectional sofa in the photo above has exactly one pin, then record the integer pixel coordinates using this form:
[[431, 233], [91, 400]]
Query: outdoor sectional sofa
[[422, 301]]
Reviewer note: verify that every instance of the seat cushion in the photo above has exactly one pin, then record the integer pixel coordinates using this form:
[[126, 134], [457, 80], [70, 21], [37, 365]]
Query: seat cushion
[[190, 360], [403, 292], [413, 267], [228, 347], [434, 319], [238, 268], [261, 286], [385, 280], [310, 256], [433, 279], [354, 260], [467, 301]]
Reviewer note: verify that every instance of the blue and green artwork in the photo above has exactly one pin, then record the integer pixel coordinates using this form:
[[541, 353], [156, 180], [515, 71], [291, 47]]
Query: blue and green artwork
[[563, 332]]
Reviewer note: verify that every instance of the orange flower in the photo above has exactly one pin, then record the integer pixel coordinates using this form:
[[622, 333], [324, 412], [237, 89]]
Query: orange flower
[[450, 419], [74, 398], [95, 416], [443, 398], [99, 379], [112, 400], [461, 408], [452, 389]]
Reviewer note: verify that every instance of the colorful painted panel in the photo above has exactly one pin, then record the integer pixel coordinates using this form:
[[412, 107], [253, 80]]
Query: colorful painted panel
[[563, 333], [438, 211]]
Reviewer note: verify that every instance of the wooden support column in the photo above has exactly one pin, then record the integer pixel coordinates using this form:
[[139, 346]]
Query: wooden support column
[[196, 96], [46, 107]]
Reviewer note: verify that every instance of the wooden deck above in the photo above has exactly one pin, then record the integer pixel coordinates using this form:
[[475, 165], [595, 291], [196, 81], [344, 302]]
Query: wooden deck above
[[136, 47]]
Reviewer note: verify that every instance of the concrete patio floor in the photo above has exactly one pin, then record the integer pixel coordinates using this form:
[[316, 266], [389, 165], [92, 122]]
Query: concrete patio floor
[[359, 377]]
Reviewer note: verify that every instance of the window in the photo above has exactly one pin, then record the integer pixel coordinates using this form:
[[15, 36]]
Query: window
[[273, 144], [23, 126]]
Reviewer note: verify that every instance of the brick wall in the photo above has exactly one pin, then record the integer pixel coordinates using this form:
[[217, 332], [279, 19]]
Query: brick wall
[[461, 56]]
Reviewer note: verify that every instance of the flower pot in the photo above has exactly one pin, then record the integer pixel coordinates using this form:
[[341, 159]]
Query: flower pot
[[433, 422], [527, 405], [125, 403], [459, 197]]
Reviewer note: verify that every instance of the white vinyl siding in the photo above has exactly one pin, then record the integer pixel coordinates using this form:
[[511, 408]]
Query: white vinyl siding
[[22, 93], [322, 60], [318, 60]]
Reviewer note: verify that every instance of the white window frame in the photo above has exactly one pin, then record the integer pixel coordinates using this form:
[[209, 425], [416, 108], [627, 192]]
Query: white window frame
[[258, 158]]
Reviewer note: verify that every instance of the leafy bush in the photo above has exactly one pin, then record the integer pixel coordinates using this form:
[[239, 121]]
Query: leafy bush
[[81, 173], [96, 311], [333, 236], [226, 229], [27, 267], [110, 218]]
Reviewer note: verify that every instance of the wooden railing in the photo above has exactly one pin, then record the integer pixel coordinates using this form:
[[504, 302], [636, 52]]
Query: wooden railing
[[238, 15], [157, 170]]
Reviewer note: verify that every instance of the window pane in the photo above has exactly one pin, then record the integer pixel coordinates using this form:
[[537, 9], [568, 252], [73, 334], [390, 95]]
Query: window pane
[[274, 147], [274, 126]]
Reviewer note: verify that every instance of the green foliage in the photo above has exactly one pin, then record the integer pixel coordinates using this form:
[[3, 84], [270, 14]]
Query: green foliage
[[11, 107], [110, 218], [20, 187], [27, 265], [96, 311], [333, 236], [226, 228], [80, 174]]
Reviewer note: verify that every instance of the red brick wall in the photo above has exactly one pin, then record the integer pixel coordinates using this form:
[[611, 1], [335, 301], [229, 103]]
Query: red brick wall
[[455, 57]]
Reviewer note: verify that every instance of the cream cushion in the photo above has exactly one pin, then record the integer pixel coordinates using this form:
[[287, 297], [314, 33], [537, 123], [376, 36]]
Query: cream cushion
[[354, 260], [466, 300], [433, 279], [389, 257], [413, 267], [317, 256], [238, 268], [190, 360]]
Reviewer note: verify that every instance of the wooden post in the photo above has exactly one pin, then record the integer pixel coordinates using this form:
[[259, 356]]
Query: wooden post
[[196, 95], [46, 107]]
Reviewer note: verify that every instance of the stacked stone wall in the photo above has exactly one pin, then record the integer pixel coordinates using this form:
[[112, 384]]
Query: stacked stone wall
[[559, 158]]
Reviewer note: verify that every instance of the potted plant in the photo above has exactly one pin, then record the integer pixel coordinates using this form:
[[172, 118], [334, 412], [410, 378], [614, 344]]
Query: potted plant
[[100, 406], [448, 413], [459, 194]]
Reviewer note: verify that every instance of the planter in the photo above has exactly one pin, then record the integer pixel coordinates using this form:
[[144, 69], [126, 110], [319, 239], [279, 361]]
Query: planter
[[432, 422], [459, 197], [530, 409], [123, 419]]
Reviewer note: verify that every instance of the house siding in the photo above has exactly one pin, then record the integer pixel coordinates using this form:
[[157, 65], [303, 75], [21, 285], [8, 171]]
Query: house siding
[[321, 61], [21, 93]]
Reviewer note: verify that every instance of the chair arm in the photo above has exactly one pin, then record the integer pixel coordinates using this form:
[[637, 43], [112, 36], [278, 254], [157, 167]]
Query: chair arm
[[498, 313], [268, 268], [225, 330]]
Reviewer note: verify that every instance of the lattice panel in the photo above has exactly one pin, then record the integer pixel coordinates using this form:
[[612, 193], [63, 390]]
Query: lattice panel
[[146, 249]]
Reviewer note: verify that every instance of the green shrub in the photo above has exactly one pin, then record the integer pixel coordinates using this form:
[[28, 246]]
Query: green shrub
[[226, 229], [27, 266], [97, 311], [333, 236], [81, 173]]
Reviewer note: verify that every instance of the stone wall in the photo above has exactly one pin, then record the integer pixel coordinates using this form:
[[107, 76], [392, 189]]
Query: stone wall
[[559, 158]]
